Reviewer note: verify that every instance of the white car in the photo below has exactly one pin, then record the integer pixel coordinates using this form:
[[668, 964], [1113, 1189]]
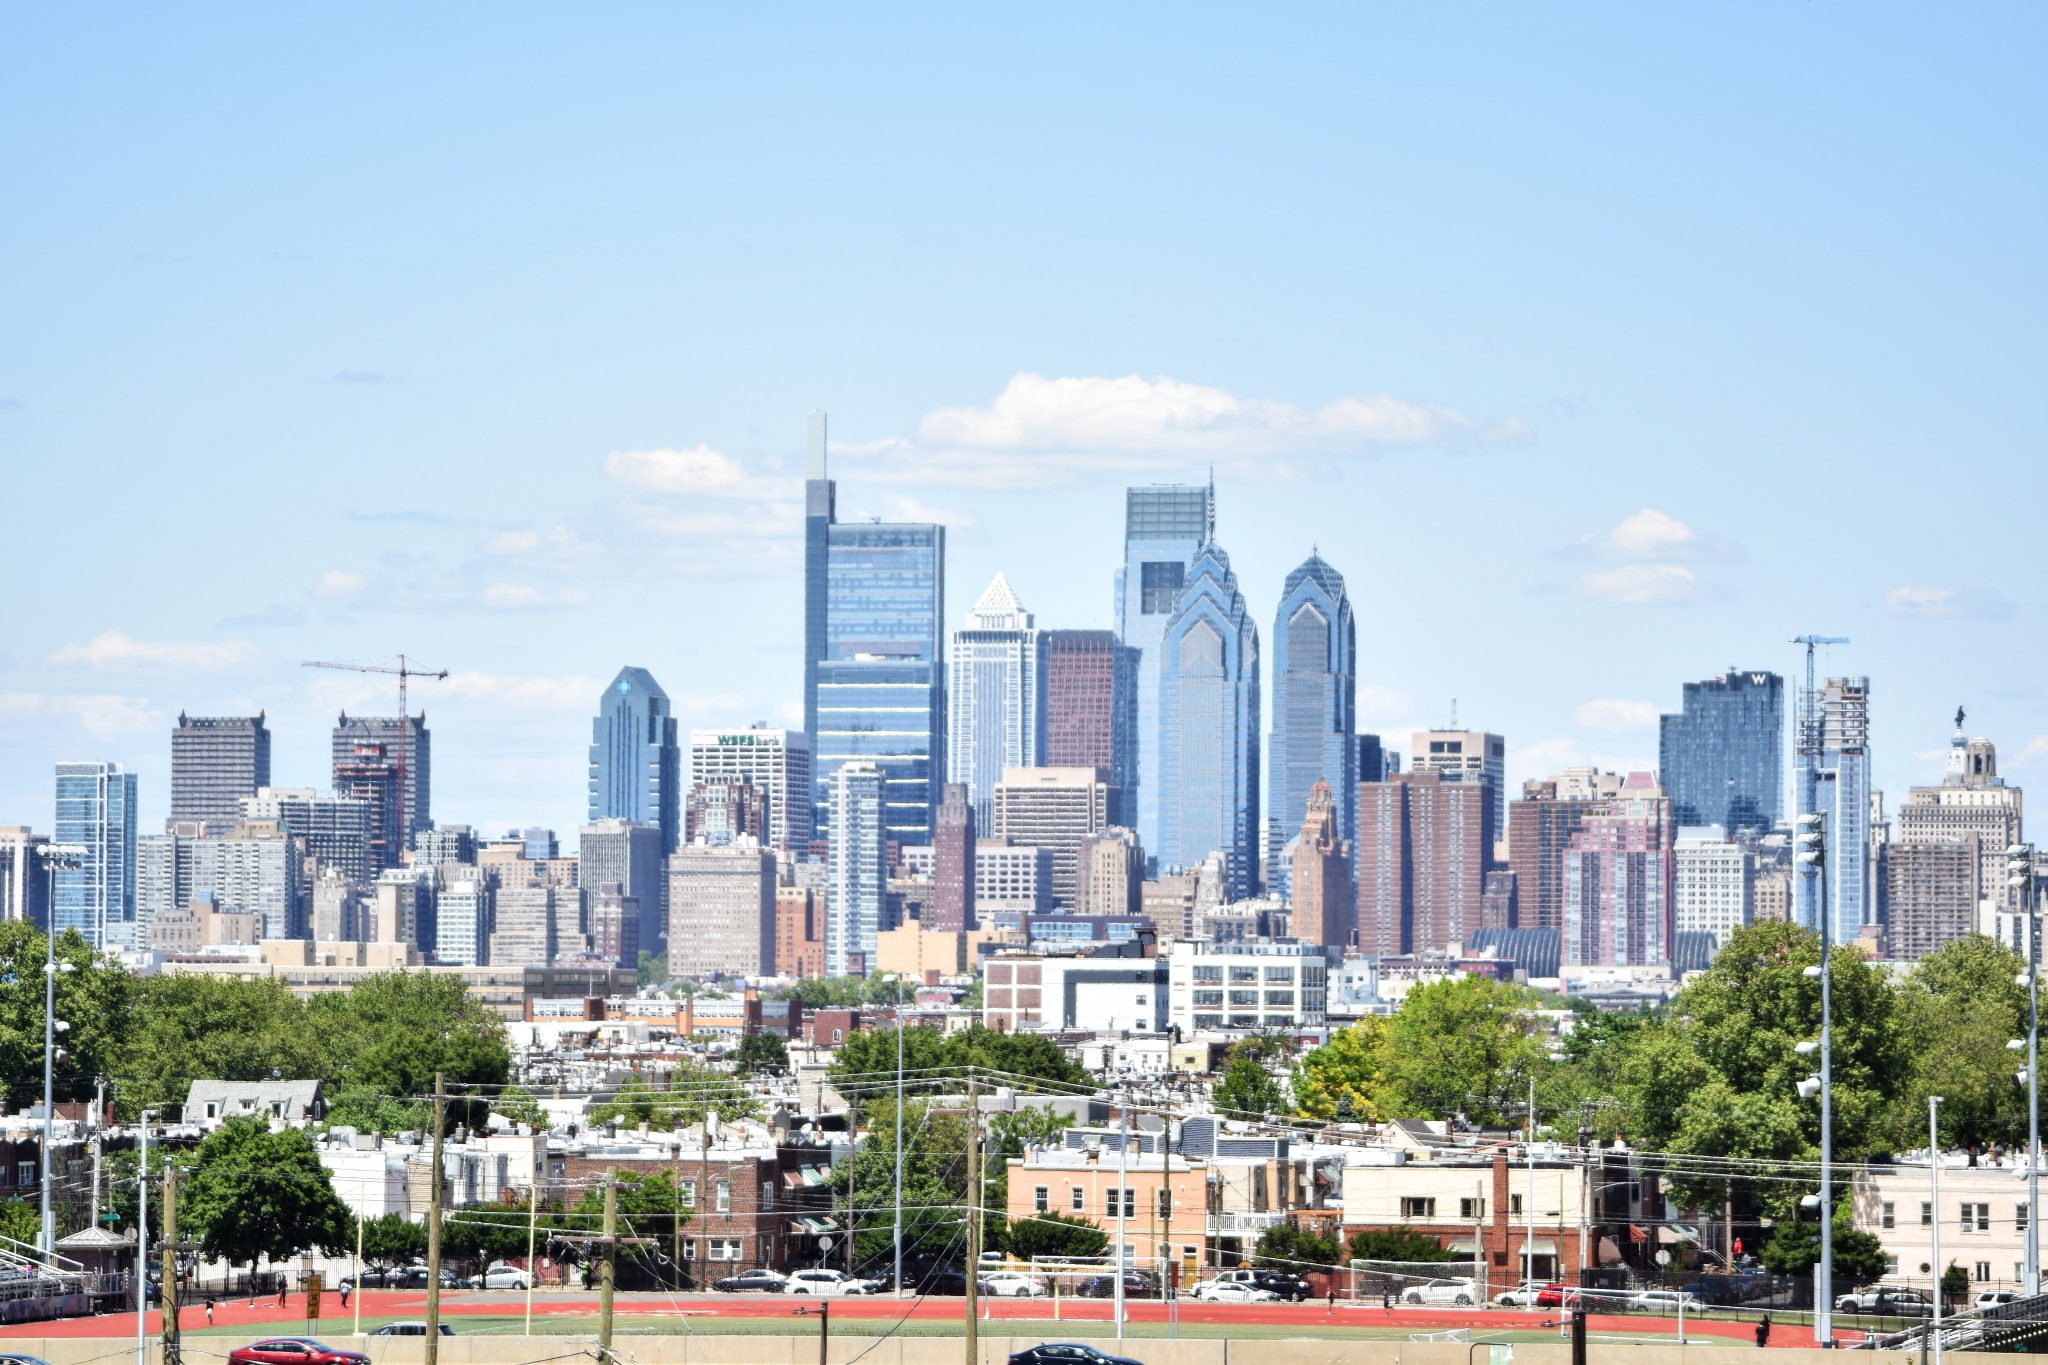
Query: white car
[[823, 1283], [1011, 1284], [1460, 1293], [1993, 1298], [1666, 1301], [1233, 1291], [501, 1277], [1523, 1296]]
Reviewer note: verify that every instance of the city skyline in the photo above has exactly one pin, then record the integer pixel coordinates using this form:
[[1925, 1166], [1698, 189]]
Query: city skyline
[[1632, 391]]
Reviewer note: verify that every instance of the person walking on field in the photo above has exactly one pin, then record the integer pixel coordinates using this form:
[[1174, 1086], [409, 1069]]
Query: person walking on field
[[209, 1310]]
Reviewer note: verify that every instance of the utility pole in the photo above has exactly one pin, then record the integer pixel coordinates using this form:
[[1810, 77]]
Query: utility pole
[[1529, 1198], [99, 1108], [607, 1269], [2019, 870], [170, 1264], [357, 1267], [973, 1216], [142, 1242], [1123, 1190], [824, 1312], [532, 1233], [70, 856], [899, 1136], [1934, 1193], [705, 1203], [434, 1226]]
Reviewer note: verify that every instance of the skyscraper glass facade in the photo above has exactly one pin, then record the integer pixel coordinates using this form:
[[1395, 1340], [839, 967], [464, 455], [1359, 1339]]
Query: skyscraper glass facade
[[1209, 724], [860, 872], [96, 811], [1835, 781], [636, 760], [995, 704], [1721, 759], [886, 713], [1164, 526], [1315, 692]]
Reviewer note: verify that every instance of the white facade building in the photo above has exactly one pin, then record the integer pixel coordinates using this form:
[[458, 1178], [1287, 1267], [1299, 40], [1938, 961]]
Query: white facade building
[[1247, 986], [776, 762], [858, 898], [1712, 883], [995, 702]]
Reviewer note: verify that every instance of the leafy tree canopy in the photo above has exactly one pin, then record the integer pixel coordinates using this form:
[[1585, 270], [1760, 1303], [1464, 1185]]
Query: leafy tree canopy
[[93, 997], [185, 1027], [1396, 1244], [389, 1036], [1054, 1235], [256, 1193], [1344, 1080], [1246, 1090], [1285, 1246], [1464, 1046], [762, 1053]]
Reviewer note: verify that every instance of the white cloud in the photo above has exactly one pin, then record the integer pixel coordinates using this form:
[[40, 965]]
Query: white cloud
[[100, 715], [516, 595], [1948, 604], [790, 713], [565, 692], [336, 583], [700, 470], [115, 649], [1651, 534], [513, 542], [896, 507], [2036, 750], [1613, 713], [1641, 585]]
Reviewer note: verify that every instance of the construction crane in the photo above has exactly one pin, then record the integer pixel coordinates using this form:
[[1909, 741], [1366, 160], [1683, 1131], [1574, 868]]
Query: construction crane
[[1809, 706], [404, 672]]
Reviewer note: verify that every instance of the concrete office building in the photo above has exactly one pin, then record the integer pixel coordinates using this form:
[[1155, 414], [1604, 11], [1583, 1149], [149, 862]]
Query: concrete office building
[[1932, 886], [1712, 877], [96, 811], [336, 828], [254, 867], [216, 762], [1112, 873], [1324, 902], [1091, 712], [1054, 809], [1619, 880], [1165, 525], [1011, 879], [1315, 704], [1722, 756], [721, 906], [1246, 987], [1029, 992], [614, 923], [1209, 726], [463, 922], [525, 922], [995, 704], [858, 902], [636, 765], [953, 840], [24, 882], [368, 754], [776, 763], [1464, 756], [445, 844], [629, 854], [1425, 845], [1972, 799], [874, 652]]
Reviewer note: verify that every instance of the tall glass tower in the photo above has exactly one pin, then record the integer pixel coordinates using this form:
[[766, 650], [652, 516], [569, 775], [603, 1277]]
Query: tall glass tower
[[1208, 742], [1315, 699], [1164, 526], [874, 652], [995, 704], [1834, 780], [96, 812], [858, 905], [636, 761], [1721, 759]]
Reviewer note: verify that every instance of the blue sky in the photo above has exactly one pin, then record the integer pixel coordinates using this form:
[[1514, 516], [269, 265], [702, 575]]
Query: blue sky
[[1599, 347]]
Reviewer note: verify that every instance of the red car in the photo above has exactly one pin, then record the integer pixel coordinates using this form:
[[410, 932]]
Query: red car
[[294, 1351], [1557, 1296]]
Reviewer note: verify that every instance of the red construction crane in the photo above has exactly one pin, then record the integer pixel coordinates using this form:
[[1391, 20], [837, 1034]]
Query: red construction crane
[[404, 672]]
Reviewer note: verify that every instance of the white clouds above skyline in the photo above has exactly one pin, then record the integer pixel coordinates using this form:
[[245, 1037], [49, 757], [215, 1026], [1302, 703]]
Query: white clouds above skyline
[[1948, 604], [1613, 713], [115, 649], [102, 716], [519, 595], [698, 470], [1641, 585]]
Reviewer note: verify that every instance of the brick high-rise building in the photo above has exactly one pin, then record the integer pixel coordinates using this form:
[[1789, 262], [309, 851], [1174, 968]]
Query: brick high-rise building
[[952, 903], [1931, 886], [1540, 825], [216, 761], [1112, 873], [724, 809], [1091, 709], [1464, 756], [1425, 845], [1053, 809], [1619, 879], [721, 910], [799, 932], [1320, 875]]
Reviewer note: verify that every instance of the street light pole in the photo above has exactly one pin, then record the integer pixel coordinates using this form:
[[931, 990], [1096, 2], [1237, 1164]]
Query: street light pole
[[1812, 856], [1934, 1193], [2019, 869], [54, 857]]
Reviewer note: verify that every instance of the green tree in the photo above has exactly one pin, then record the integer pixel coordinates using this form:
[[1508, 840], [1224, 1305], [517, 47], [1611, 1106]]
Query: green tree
[[1464, 1046], [825, 992], [388, 1037], [184, 1027], [92, 997], [1958, 1008], [1396, 1244], [935, 1062], [1955, 1285], [1286, 1246], [257, 1193], [653, 968], [392, 1239], [689, 1092], [762, 1053], [20, 1221], [1054, 1235], [934, 1185], [516, 1104], [1794, 1246], [487, 1232], [1343, 1080], [1246, 1090]]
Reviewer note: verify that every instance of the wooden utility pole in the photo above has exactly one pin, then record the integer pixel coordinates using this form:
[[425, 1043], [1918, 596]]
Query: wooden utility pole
[[170, 1264], [703, 1201], [973, 1217], [434, 1226], [607, 1269]]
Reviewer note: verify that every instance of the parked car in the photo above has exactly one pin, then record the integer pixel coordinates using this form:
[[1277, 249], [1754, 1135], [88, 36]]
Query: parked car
[[1233, 1291], [294, 1351], [398, 1277], [1138, 1284], [758, 1281], [1992, 1298], [823, 1283], [1067, 1353], [502, 1277], [1666, 1301], [1462, 1293], [1011, 1284], [414, 1328], [1524, 1295], [1884, 1300], [946, 1283], [16, 1358], [1282, 1285], [1557, 1296]]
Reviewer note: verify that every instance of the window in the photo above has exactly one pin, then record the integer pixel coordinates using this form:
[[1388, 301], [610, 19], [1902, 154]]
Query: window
[[1208, 976], [2020, 1213], [1243, 999], [1080, 1200], [1926, 1214], [1159, 584], [1248, 976], [1891, 1265], [723, 1193], [1165, 1203], [1041, 1199], [25, 1173], [1471, 1210], [1213, 999], [1279, 1000], [1280, 976], [1130, 1202], [1514, 1206], [1983, 1272], [1976, 1217], [1887, 1215], [689, 1193], [1417, 1208], [768, 1196], [725, 1248]]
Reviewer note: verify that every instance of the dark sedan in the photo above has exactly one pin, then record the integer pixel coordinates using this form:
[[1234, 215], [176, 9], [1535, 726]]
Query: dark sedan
[[294, 1351], [1068, 1353], [1138, 1284], [761, 1281]]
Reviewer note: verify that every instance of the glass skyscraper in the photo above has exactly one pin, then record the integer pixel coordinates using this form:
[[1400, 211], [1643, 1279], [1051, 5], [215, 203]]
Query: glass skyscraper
[[995, 703], [1834, 779], [636, 760], [859, 886], [1208, 741], [1315, 697], [1721, 759], [1164, 526], [874, 653], [96, 812]]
